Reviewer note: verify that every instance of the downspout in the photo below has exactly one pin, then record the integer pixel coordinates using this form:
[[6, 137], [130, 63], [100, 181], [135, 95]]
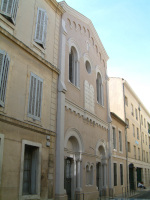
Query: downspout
[[126, 141]]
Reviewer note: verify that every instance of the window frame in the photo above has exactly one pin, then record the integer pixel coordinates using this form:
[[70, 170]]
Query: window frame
[[30, 196], [4, 73], [100, 89], [74, 68], [42, 41], [13, 11], [115, 174], [121, 174], [120, 141], [1, 154], [114, 139], [33, 116]]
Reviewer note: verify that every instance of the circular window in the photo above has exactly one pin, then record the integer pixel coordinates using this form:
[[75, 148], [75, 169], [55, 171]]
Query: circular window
[[88, 67]]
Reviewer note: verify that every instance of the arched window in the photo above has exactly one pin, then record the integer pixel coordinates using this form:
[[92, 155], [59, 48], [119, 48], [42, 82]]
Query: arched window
[[99, 87], [73, 67], [89, 175]]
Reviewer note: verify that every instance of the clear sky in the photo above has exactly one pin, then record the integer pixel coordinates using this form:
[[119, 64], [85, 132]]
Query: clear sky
[[124, 29]]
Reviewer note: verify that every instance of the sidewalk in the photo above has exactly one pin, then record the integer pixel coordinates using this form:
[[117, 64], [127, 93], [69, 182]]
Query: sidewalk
[[132, 194]]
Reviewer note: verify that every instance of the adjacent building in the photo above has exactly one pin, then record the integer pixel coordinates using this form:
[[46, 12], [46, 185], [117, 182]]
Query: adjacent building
[[82, 148], [29, 39], [125, 103], [119, 155]]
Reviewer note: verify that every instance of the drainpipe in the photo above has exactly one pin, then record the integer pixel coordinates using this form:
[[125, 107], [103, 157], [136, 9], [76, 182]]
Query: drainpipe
[[126, 142]]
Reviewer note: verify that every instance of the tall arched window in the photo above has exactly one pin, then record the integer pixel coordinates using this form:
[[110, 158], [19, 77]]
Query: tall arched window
[[73, 67], [99, 87]]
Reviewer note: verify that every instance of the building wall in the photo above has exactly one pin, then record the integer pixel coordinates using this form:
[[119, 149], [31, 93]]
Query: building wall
[[137, 147], [83, 125], [119, 157]]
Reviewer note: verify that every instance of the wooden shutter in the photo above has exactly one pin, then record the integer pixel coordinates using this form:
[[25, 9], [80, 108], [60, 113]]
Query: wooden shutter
[[9, 9], [41, 27], [35, 97], [4, 67]]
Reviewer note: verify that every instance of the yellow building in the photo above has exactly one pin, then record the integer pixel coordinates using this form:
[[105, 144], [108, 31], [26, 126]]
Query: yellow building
[[125, 103], [119, 155], [29, 39]]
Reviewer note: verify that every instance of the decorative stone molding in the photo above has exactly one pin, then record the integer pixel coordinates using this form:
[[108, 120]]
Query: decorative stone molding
[[89, 96], [85, 114]]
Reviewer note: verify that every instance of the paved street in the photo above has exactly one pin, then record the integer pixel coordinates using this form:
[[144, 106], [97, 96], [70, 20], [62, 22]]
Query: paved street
[[143, 195]]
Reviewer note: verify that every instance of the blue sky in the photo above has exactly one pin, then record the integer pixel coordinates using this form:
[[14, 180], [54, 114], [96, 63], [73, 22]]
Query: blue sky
[[124, 29]]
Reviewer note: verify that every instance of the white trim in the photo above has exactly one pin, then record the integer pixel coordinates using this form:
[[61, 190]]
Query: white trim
[[75, 133], [25, 197], [1, 154]]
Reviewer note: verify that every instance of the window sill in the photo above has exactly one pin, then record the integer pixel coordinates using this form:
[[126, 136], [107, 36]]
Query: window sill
[[38, 49], [33, 121], [77, 88], [100, 105], [7, 25]]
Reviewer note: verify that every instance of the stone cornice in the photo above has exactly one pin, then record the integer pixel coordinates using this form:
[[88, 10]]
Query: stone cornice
[[25, 125], [85, 114], [138, 163], [88, 22], [57, 6], [27, 49]]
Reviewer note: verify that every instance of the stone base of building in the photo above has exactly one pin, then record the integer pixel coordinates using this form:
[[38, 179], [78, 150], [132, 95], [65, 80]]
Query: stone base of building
[[111, 192], [61, 197]]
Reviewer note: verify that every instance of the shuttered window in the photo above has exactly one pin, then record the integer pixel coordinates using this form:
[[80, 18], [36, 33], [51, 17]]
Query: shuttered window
[[4, 67], [9, 9], [41, 27], [35, 97]]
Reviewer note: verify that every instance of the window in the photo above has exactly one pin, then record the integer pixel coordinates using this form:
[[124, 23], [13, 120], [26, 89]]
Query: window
[[146, 139], [133, 127], [1, 153], [137, 133], [4, 68], [73, 67], [146, 156], [129, 149], [114, 138], [136, 114], [139, 153], [115, 174], [142, 119], [127, 122], [144, 122], [35, 97], [121, 174], [89, 175], [135, 152], [126, 101], [88, 67], [9, 9], [132, 110], [41, 27], [99, 87], [143, 137], [30, 176], [143, 155], [120, 141], [148, 126]]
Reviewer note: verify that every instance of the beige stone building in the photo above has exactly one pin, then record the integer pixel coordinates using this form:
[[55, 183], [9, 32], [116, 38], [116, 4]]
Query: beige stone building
[[83, 113], [125, 103], [119, 155], [29, 39]]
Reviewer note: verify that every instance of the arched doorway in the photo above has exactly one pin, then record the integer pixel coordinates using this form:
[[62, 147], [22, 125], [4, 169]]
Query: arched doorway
[[72, 168], [101, 165]]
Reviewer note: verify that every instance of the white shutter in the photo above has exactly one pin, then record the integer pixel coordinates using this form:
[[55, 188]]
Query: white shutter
[[41, 27], [4, 67], [9, 9], [35, 97]]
